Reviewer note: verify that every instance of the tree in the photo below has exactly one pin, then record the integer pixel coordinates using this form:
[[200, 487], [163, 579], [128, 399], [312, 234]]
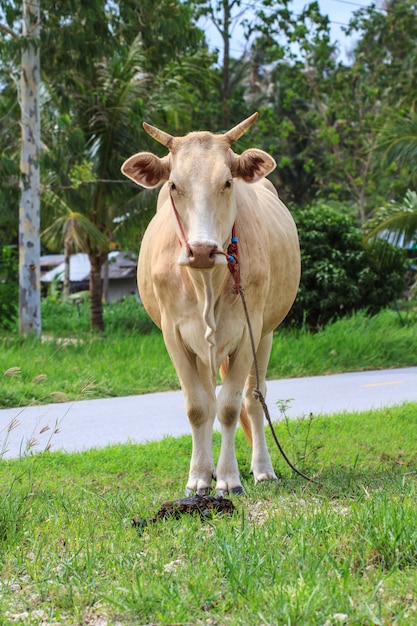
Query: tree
[[223, 16], [75, 230], [100, 130], [101, 101], [295, 65], [384, 68], [387, 50], [25, 46]]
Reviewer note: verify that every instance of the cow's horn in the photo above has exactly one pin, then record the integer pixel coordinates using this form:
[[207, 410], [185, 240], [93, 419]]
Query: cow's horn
[[164, 138], [234, 133]]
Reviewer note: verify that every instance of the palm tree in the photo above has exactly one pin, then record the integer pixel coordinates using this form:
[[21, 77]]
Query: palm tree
[[75, 231], [397, 223], [100, 131]]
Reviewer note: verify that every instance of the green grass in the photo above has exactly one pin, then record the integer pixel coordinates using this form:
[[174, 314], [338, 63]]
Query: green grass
[[130, 357], [293, 553], [354, 343]]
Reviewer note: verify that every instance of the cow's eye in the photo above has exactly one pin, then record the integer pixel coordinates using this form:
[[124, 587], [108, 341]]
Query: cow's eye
[[173, 187], [227, 185]]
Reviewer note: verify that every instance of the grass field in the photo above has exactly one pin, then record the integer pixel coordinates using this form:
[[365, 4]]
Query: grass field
[[130, 358], [342, 551]]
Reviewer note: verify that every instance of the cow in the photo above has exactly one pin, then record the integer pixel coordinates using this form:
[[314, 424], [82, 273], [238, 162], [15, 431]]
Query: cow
[[210, 195]]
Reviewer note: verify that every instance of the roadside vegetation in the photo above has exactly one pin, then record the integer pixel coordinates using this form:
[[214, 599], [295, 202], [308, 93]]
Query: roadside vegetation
[[342, 551], [71, 363]]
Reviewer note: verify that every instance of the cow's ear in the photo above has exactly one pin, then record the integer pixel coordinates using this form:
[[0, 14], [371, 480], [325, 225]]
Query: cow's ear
[[252, 165], [146, 169]]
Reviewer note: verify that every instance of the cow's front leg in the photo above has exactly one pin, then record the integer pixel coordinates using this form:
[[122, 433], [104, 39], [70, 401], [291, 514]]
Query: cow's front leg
[[199, 389], [201, 416]]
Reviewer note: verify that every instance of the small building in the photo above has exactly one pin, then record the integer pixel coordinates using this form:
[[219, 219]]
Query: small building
[[120, 274]]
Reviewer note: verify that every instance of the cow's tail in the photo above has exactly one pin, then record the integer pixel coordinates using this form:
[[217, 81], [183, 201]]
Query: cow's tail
[[243, 417]]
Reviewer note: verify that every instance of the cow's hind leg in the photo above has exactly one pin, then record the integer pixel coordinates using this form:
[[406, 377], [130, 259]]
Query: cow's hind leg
[[227, 474], [261, 465]]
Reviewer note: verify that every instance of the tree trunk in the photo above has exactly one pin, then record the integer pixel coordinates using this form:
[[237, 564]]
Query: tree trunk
[[96, 309], [29, 209], [105, 289]]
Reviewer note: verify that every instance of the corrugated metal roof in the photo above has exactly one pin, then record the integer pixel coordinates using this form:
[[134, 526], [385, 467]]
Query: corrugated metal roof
[[121, 265]]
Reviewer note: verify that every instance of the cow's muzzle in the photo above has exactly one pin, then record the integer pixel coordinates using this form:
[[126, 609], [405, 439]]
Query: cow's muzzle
[[202, 255]]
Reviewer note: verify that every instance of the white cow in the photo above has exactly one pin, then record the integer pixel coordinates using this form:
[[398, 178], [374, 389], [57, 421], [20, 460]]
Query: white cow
[[187, 289]]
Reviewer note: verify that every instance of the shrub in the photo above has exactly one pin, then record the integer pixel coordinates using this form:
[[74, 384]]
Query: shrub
[[128, 315], [72, 316], [340, 276]]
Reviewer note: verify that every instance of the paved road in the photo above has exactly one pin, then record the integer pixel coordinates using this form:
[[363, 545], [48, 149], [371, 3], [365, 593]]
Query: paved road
[[98, 423]]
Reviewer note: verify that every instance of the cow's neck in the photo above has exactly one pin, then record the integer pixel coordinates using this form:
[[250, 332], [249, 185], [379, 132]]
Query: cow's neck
[[209, 285]]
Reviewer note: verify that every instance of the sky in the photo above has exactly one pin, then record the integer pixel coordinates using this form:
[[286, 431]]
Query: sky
[[339, 12]]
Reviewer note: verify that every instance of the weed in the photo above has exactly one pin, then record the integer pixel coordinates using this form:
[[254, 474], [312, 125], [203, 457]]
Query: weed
[[303, 449]]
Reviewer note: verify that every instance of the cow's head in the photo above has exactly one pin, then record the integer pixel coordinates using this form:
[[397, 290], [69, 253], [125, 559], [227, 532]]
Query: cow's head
[[200, 169]]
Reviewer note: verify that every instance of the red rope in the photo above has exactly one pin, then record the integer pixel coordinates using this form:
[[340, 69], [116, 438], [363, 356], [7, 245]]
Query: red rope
[[177, 215], [232, 258]]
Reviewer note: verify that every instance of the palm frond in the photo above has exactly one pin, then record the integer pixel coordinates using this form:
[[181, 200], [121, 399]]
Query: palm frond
[[398, 141], [397, 223], [78, 232]]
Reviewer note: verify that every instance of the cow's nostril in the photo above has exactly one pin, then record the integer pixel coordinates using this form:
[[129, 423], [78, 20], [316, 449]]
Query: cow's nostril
[[202, 255]]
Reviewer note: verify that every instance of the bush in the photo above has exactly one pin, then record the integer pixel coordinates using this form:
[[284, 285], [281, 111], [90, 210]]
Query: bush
[[127, 315], [340, 276], [9, 285]]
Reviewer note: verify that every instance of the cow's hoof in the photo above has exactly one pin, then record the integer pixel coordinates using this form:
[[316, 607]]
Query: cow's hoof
[[200, 492], [260, 478], [236, 491]]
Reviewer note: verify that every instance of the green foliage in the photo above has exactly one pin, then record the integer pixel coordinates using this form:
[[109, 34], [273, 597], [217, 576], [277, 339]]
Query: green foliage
[[339, 276], [387, 50], [9, 285]]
